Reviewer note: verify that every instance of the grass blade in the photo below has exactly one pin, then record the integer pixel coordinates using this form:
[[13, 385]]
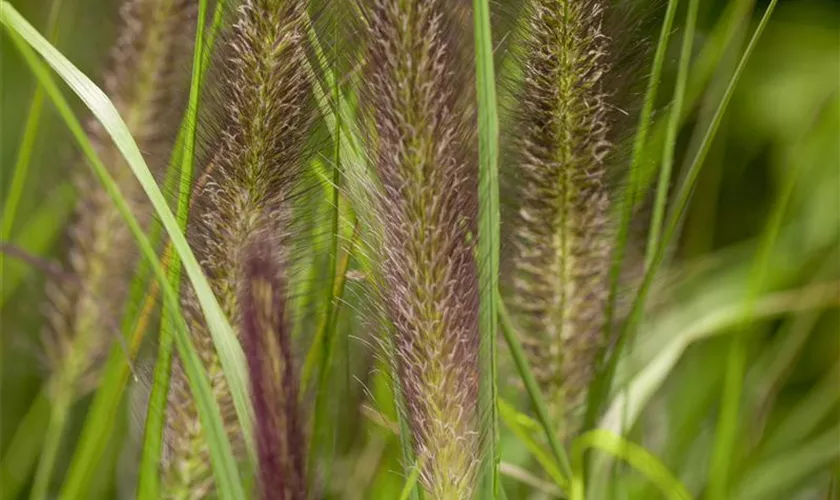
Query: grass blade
[[99, 423], [149, 482], [411, 481], [534, 393], [22, 450], [673, 221], [522, 426], [601, 386], [772, 477], [727, 427], [60, 405], [671, 133], [326, 339], [687, 186], [804, 418], [628, 404], [721, 39], [635, 455], [27, 143], [488, 242]]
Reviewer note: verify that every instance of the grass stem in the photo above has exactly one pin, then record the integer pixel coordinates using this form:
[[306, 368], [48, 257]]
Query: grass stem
[[488, 243], [533, 390]]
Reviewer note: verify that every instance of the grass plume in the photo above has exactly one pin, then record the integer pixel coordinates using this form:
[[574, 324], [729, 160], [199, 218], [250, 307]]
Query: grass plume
[[147, 87], [424, 156], [265, 115], [561, 250], [267, 343]]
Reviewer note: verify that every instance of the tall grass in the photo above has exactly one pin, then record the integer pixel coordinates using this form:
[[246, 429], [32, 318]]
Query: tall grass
[[355, 357]]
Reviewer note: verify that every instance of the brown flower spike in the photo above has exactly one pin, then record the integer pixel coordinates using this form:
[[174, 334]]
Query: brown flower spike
[[421, 113], [256, 165], [267, 343], [562, 250]]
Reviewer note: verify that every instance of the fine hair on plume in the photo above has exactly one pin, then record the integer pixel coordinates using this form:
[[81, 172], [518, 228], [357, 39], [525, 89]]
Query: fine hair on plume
[[255, 165], [560, 255], [418, 201]]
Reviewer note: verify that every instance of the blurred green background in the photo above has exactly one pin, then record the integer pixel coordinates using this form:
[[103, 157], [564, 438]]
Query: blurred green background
[[784, 117]]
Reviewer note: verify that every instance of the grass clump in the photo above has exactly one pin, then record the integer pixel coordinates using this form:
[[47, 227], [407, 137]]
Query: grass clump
[[394, 289]]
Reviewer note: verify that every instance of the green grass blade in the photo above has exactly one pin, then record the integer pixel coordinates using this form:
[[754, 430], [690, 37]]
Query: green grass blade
[[317, 367], [60, 403], [188, 153], [675, 331], [514, 421], [224, 465], [727, 427], [339, 117], [99, 424], [227, 345], [149, 482], [635, 455], [64, 392], [317, 354], [672, 130], [27, 143], [686, 188], [628, 403], [628, 199], [521, 475], [814, 408], [721, 39], [328, 326], [337, 120], [600, 388], [326, 338], [411, 481], [488, 243], [533, 389], [673, 221]]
